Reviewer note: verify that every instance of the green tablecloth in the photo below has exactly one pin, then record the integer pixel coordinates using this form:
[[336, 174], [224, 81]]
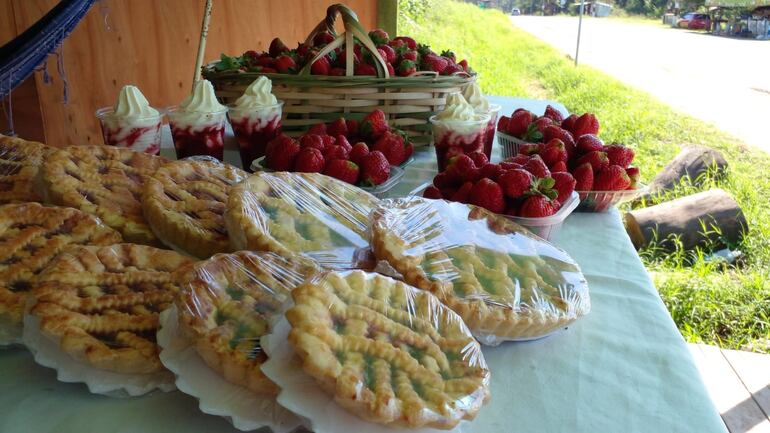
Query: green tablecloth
[[622, 368]]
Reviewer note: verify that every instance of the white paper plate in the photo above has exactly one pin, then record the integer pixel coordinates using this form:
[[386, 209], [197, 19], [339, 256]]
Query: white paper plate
[[10, 332], [245, 409]]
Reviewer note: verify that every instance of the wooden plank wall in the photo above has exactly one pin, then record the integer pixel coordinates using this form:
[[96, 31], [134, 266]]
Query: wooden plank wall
[[152, 44]]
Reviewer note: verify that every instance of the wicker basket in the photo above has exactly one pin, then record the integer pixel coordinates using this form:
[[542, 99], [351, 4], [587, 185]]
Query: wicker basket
[[408, 102]]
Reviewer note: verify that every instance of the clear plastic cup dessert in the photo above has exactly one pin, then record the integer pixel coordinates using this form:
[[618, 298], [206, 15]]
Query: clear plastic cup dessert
[[489, 137], [458, 137], [475, 97], [131, 123], [256, 119], [198, 124]]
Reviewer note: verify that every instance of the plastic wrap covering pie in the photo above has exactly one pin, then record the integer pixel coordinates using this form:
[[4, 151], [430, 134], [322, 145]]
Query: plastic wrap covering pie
[[19, 164], [184, 202], [101, 304], [307, 213], [103, 181], [503, 281], [230, 301], [31, 235], [387, 352]]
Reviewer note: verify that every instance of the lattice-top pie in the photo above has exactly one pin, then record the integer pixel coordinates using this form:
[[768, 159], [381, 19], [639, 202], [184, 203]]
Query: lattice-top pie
[[230, 301], [388, 352], [104, 181], [504, 282], [184, 202], [102, 304], [306, 213], [19, 164], [31, 235]]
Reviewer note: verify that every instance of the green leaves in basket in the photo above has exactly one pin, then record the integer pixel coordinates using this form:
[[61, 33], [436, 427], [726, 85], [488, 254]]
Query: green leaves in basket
[[227, 63]]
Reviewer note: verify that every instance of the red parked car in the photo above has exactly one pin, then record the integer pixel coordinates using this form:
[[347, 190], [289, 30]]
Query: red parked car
[[694, 21]]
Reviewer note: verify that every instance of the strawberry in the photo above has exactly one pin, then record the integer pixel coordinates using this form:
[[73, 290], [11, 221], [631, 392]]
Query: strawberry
[[541, 123], [479, 158], [491, 171], [337, 127], [619, 155], [633, 174], [431, 192], [588, 143], [586, 124], [388, 53], [337, 72], [268, 70], [359, 151], [612, 178], [379, 36], [519, 123], [458, 165], [448, 192], [321, 67], [277, 47], [409, 55], [488, 194], [392, 146], [322, 38], [280, 153], [318, 129], [556, 205], [375, 169], [450, 55], [352, 127], [515, 182], [537, 206], [423, 49], [285, 64], [508, 165], [374, 125], [303, 49], [342, 169], [558, 167], [529, 148], [408, 41], [553, 152], [537, 167], [584, 177], [397, 44], [553, 114], [554, 131], [391, 71], [598, 160], [463, 194], [443, 180], [268, 62], [453, 151], [502, 124], [312, 140], [473, 175], [569, 122], [464, 64], [335, 152], [341, 140], [432, 62], [564, 184], [518, 159], [328, 140], [408, 150], [406, 68], [451, 68], [309, 160], [364, 69]]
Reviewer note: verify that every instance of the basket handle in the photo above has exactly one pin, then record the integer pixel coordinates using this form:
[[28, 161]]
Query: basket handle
[[353, 28]]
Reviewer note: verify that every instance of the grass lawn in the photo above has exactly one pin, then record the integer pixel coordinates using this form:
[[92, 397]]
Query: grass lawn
[[710, 303]]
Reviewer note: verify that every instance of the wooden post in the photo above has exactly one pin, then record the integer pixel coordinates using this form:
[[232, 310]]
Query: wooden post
[[387, 16], [202, 41]]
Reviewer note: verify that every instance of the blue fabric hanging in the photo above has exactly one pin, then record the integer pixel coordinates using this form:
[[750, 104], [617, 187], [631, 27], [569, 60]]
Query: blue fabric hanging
[[20, 56]]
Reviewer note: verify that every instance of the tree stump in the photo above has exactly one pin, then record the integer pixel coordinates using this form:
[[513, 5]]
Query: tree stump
[[686, 217], [692, 161]]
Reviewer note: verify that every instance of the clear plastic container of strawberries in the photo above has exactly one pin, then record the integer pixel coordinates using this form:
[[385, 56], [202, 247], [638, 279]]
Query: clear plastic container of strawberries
[[603, 173]]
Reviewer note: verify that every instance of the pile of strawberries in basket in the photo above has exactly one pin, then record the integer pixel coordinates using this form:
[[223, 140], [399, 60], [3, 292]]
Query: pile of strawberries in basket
[[571, 144], [522, 186], [327, 149], [403, 56]]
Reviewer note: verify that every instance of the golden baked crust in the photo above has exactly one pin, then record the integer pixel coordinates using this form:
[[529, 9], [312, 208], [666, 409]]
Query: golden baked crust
[[229, 301], [31, 236], [104, 181], [504, 282], [102, 304], [184, 202], [387, 352], [19, 163], [307, 213]]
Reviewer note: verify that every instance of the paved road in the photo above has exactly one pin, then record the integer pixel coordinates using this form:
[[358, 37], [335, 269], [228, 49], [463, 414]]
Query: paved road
[[720, 80]]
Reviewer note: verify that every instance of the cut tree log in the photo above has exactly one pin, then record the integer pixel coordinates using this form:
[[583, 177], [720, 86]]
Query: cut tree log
[[692, 161], [685, 217]]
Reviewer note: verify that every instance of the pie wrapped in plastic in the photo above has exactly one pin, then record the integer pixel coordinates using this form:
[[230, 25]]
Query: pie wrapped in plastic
[[387, 352], [229, 302], [19, 164], [184, 202], [31, 236], [101, 304], [104, 181], [505, 283], [308, 213]]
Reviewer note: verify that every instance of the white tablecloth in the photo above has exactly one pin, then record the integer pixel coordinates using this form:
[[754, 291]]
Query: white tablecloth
[[622, 368]]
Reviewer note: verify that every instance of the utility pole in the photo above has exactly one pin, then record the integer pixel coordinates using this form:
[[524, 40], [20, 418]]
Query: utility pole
[[580, 28]]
